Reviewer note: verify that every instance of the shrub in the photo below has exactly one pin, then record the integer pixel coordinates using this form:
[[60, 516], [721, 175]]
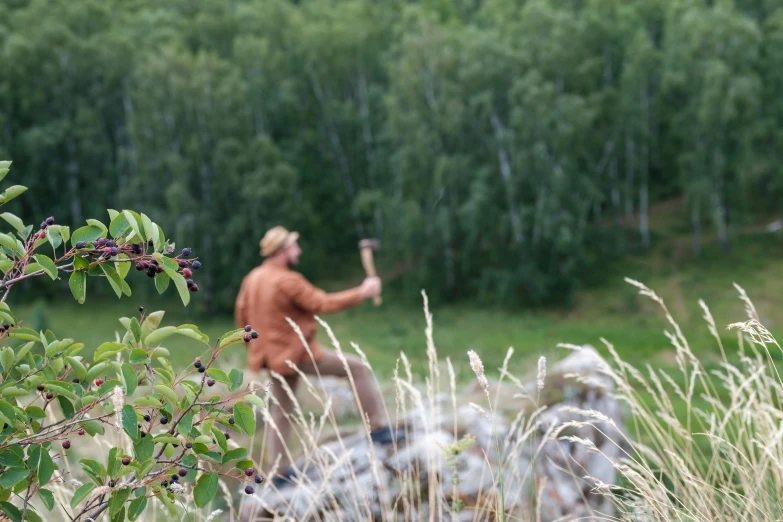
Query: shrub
[[53, 400]]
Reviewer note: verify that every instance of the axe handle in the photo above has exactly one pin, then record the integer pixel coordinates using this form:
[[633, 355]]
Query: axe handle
[[369, 268]]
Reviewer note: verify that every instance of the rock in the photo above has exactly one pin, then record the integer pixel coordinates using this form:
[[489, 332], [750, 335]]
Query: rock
[[350, 479]]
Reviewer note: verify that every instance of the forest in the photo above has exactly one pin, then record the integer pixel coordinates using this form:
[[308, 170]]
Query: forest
[[500, 149]]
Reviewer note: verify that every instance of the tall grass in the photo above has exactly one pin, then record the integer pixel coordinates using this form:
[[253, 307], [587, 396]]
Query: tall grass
[[700, 443]]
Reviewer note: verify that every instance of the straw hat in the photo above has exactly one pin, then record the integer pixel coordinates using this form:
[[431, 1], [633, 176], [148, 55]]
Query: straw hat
[[276, 239]]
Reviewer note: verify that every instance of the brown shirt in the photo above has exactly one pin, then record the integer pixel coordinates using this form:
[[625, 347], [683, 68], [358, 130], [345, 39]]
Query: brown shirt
[[269, 294]]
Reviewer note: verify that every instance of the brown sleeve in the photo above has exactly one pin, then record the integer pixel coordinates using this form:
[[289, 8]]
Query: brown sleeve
[[314, 300]]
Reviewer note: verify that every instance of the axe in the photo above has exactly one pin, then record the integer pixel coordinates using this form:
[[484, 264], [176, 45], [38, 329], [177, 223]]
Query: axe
[[366, 248]]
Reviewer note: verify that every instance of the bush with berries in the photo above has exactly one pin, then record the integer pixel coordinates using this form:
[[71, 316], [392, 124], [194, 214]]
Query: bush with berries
[[170, 439]]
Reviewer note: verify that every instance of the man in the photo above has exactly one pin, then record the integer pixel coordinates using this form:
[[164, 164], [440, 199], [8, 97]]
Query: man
[[269, 294]]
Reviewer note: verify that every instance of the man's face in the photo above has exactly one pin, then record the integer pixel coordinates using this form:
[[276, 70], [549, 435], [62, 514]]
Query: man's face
[[292, 254]]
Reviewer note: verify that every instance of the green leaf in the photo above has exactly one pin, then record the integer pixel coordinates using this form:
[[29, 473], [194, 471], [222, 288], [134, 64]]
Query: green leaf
[[113, 462], [7, 413], [167, 392], [47, 497], [112, 214], [78, 367], [108, 350], [130, 421], [96, 223], [11, 192], [162, 281], [232, 338], [11, 511], [205, 489], [234, 454], [45, 468], [129, 378], [182, 286], [47, 264], [136, 508], [8, 242], [135, 329], [25, 334], [66, 406], [236, 379], [61, 388], [192, 331], [123, 265], [96, 370], [138, 356], [13, 391], [243, 415], [135, 222], [150, 231], [87, 234], [186, 423], [165, 438], [143, 448], [221, 439], [65, 232], [119, 516], [13, 221], [92, 427], [54, 236], [117, 501], [78, 285], [119, 225], [151, 322], [13, 476], [255, 400], [81, 494], [159, 335], [7, 358], [114, 278]]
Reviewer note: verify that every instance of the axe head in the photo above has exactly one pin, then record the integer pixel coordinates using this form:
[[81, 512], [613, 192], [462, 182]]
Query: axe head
[[372, 244]]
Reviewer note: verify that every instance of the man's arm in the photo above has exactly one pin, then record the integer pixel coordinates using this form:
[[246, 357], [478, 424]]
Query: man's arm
[[315, 301]]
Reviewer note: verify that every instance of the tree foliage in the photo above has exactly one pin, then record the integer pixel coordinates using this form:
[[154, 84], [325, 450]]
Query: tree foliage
[[498, 148]]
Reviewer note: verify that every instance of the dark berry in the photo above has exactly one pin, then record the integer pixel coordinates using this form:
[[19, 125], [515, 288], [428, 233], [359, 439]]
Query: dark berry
[[139, 267], [101, 242], [254, 335], [231, 420], [188, 445], [5, 426], [164, 483], [174, 478], [147, 418], [49, 395], [258, 479], [112, 483], [182, 472], [80, 244], [50, 220], [151, 272], [164, 420], [43, 226], [39, 387], [80, 432], [196, 265], [114, 251], [143, 434], [187, 272], [249, 490], [248, 328], [158, 269], [141, 309], [154, 262], [211, 382], [190, 283], [249, 472], [197, 364], [248, 337], [75, 380], [183, 264], [111, 244], [194, 288], [125, 461], [228, 435], [186, 252], [66, 444], [201, 369]]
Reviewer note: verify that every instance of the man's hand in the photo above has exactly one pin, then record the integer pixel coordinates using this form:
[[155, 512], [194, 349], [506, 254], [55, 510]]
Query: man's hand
[[371, 287]]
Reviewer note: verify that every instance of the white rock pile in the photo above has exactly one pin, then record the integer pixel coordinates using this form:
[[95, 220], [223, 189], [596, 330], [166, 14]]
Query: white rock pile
[[557, 449]]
